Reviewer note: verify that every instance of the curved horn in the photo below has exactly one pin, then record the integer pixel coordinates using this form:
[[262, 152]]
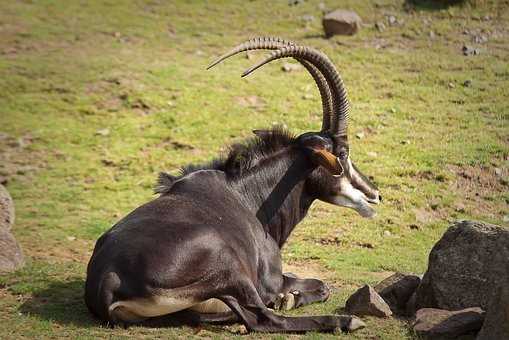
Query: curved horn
[[323, 64], [274, 43]]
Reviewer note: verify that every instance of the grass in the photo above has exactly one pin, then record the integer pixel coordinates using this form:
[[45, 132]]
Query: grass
[[97, 97]]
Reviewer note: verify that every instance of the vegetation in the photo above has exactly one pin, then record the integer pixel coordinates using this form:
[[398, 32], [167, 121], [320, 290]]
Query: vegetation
[[97, 97]]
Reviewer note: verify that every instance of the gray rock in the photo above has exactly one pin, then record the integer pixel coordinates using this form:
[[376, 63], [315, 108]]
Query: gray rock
[[11, 256], [496, 324], [396, 290], [438, 324], [366, 301], [341, 22], [6, 209], [469, 50], [466, 266]]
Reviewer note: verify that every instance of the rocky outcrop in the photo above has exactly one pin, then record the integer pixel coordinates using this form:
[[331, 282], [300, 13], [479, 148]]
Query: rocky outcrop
[[6, 209], [366, 301], [438, 324], [341, 22], [496, 324], [11, 256], [466, 266]]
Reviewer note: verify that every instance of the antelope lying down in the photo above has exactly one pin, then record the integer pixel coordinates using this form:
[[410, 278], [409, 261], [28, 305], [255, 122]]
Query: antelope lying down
[[210, 243]]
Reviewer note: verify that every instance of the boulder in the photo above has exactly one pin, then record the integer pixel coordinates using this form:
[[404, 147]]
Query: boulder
[[6, 209], [466, 266], [438, 324], [11, 256], [366, 301], [341, 22], [496, 324], [396, 290]]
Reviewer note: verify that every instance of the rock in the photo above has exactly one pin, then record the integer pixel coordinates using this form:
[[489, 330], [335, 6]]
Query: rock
[[6, 209], [366, 301], [440, 324], [496, 323], [341, 22], [291, 67], [307, 18], [11, 256], [391, 19], [103, 132], [466, 266], [360, 135], [380, 26], [467, 83], [469, 50], [396, 290]]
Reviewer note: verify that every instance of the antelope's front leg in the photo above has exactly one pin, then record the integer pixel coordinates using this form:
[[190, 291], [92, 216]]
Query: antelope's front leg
[[299, 292]]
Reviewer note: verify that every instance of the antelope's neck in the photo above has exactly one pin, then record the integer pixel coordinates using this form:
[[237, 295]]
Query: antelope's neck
[[275, 192]]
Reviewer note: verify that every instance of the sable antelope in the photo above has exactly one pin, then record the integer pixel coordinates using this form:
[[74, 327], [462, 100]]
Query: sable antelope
[[210, 243]]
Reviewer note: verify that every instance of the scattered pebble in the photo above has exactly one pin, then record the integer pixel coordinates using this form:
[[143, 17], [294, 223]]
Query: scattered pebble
[[103, 132], [432, 35], [291, 67], [359, 135], [380, 26], [451, 85], [307, 18], [405, 142], [71, 238], [307, 96], [387, 233], [372, 154], [469, 50], [391, 19], [498, 171], [414, 227], [480, 39], [467, 83]]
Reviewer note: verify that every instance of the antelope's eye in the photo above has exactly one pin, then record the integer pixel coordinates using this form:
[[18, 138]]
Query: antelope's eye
[[343, 154]]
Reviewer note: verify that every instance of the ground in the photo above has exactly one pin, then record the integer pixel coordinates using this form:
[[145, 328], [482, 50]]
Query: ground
[[97, 97]]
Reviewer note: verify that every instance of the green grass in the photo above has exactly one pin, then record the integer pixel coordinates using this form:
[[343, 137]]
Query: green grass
[[69, 69]]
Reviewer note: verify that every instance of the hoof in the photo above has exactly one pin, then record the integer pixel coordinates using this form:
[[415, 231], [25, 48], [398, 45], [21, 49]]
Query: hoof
[[349, 323], [285, 301]]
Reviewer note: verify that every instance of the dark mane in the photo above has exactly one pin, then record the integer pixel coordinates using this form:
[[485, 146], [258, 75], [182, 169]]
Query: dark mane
[[240, 158]]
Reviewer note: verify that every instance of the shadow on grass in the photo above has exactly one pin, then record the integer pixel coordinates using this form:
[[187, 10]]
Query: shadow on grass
[[63, 302], [432, 5]]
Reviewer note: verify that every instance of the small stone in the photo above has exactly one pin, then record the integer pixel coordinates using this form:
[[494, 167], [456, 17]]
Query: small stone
[[387, 233], [307, 18], [391, 19], [342, 22], [480, 39], [380, 26], [467, 83], [459, 207], [359, 135], [468, 50], [71, 238], [431, 323], [103, 132], [451, 85], [498, 171], [366, 301], [432, 35], [372, 154], [396, 291], [414, 227], [405, 142], [392, 110], [291, 67], [307, 96]]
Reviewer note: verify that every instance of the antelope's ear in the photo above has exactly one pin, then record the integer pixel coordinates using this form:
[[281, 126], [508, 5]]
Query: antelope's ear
[[328, 160]]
